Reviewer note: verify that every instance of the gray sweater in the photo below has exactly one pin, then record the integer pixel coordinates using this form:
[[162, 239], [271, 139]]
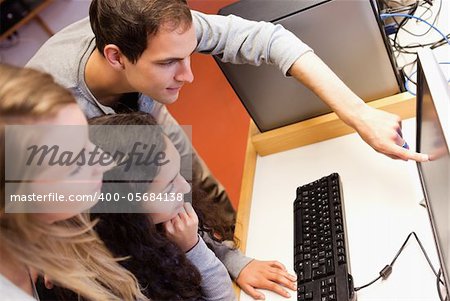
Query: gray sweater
[[216, 283], [230, 38]]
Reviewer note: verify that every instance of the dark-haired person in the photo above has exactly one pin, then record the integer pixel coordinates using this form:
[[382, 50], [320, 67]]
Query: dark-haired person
[[167, 255], [135, 54]]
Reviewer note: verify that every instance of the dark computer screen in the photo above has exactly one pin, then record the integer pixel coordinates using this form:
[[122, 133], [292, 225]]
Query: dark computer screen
[[433, 134]]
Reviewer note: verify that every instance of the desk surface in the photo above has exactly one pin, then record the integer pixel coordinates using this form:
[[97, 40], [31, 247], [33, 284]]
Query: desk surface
[[381, 205]]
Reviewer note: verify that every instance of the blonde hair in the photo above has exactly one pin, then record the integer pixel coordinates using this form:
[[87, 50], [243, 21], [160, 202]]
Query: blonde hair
[[68, 252]]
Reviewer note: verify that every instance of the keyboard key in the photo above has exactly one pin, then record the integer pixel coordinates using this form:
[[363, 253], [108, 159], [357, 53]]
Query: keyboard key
[[307, 270], [301, 277], [329, 266]]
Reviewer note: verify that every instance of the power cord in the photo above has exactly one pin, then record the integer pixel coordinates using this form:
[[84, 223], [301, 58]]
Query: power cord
[[438, 282], [384, 16], [420, 18], [387, 270]]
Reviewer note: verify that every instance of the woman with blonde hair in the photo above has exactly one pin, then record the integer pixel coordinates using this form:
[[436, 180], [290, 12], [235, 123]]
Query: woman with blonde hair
[[57, 241]]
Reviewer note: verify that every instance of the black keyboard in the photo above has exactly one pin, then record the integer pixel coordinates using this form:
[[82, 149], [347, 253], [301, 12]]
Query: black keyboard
[[320, 245]]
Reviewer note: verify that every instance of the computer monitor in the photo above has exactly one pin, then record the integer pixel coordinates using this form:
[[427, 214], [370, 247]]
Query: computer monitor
[[433, 138], [347, 35]]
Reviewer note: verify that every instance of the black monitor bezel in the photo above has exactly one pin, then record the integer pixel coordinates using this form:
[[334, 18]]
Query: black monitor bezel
[[421, 77]]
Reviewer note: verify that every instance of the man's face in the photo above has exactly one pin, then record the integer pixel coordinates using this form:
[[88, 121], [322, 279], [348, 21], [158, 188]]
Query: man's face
[[165, 66]]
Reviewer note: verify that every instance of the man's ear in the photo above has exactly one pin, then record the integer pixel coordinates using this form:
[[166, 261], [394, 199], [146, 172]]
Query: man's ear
[[114, 57]]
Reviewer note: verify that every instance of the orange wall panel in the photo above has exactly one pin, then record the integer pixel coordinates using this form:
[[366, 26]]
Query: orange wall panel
[[219, 121]]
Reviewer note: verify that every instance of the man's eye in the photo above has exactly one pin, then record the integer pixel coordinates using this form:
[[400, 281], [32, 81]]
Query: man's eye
[[168, 63]]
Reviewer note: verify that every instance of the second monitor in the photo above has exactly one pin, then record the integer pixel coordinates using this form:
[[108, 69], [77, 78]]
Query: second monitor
[[433, 138]]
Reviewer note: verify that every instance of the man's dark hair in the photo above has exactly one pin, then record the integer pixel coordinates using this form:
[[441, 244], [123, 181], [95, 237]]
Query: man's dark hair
[[129, 24]]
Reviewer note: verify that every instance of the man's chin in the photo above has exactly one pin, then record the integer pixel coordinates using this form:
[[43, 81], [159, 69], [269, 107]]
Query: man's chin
[[168, 100]]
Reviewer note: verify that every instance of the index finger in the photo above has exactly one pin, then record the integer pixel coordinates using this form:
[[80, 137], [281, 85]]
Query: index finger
[[407, 154], [190, 210], [278, 265]]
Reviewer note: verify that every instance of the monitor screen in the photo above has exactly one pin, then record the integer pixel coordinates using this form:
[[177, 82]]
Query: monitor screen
[[433, 138]]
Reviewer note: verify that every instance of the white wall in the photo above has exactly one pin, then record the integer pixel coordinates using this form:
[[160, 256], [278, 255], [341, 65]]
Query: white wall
[[31, 36]]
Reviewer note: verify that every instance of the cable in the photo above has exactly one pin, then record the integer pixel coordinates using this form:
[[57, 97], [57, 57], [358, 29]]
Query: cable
[[387, 270], [418, 45], [438, 282], [404, 20], [408, 78], [411, 9], [420, 17], [439, 43], [384, 16], [435, 19], [400, 48]]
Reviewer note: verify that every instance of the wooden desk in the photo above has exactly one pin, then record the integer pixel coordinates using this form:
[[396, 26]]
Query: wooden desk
[[381, 198]]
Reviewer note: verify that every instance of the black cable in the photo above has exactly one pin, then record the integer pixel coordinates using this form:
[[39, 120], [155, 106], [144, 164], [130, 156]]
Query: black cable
[[436, 18], [403, 49], [387, 270], [439, 287], [427, 9], [408, 78], [412, 10], [405, 74], [368, 284], [440, 42], [400, 48], [410, 63], [405, 20], [432, 44]]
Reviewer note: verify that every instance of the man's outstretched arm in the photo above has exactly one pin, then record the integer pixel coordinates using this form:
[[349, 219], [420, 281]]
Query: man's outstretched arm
[[380, 129]]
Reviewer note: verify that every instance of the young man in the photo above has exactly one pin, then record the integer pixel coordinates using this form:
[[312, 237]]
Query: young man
[[137, 54]]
